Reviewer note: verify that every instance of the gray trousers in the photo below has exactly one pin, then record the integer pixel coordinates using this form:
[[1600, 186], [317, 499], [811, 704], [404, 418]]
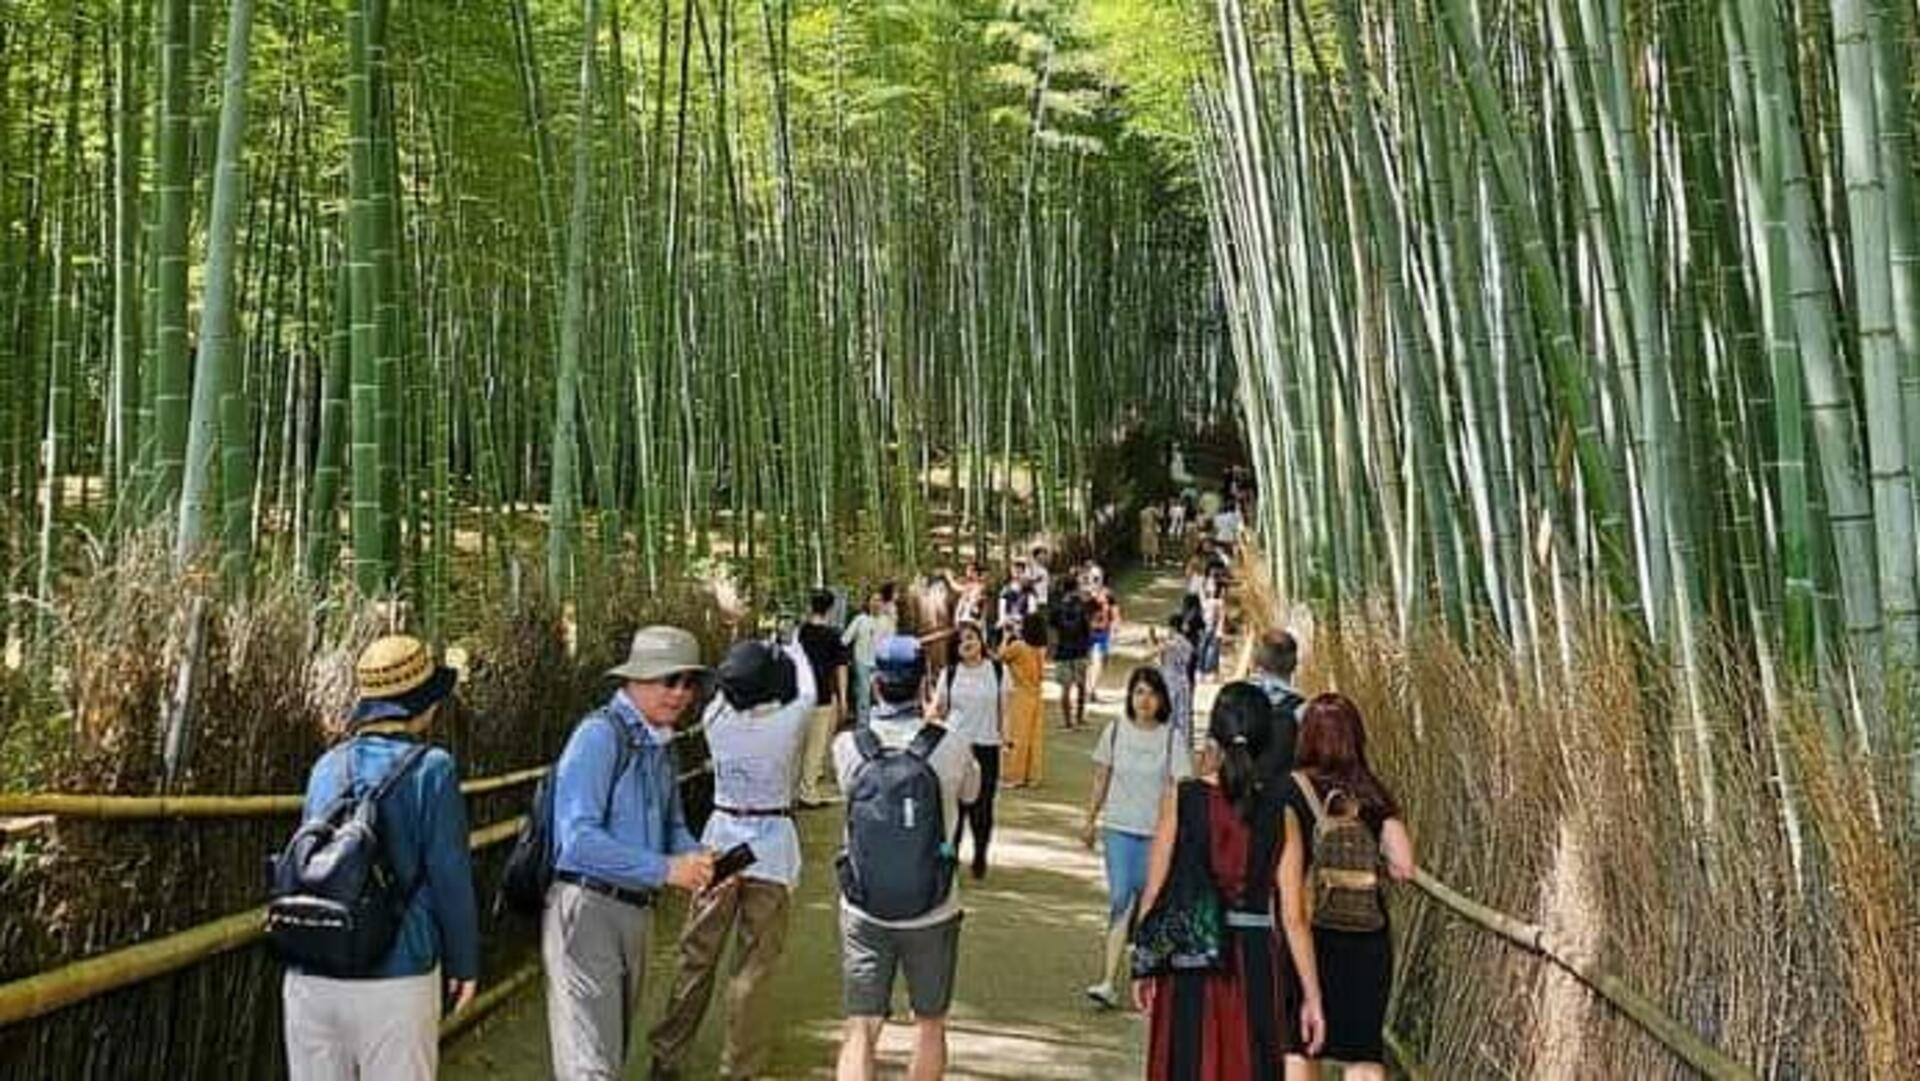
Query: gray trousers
[[594, 949], [362, 1030]]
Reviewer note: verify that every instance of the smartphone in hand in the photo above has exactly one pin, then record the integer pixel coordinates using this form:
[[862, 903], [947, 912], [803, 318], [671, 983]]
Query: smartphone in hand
[[730, 863]]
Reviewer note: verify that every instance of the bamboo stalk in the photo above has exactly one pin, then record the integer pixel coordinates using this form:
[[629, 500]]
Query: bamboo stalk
[[1638, 1008], [54, 989]]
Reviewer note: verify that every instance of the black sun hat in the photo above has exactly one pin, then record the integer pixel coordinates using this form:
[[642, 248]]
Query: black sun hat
[[755, 673]]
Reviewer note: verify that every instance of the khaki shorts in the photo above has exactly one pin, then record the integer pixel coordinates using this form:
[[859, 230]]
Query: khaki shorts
[[870, 955], [1066, 672]]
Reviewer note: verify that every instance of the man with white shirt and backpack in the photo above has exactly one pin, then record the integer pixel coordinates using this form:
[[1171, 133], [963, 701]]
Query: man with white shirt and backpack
[[904, 778]]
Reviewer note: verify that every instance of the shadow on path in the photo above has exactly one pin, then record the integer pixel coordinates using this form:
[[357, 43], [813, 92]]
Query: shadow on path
[[1031, 940]]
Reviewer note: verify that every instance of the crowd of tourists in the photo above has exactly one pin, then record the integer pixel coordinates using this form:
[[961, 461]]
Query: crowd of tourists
[[1243, 869]]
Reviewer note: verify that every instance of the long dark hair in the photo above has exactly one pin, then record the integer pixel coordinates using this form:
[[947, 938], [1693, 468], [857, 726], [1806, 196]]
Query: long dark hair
[[1189, 621], [1241, 726], [1151, 677], [1333, 751], [969, 627], [1033, 630]]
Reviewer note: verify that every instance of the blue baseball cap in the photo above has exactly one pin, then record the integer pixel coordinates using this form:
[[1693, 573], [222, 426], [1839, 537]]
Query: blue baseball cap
[[897, 655]]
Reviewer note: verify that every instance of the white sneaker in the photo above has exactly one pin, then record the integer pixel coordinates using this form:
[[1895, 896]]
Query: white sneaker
[[1102, 995]]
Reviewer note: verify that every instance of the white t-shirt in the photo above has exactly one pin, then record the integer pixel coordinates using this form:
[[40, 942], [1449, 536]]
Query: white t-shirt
[[959, 774], [864, 635], [1039, 578], [975, 703], [1144, 763], [755, 760], [1226, 526]]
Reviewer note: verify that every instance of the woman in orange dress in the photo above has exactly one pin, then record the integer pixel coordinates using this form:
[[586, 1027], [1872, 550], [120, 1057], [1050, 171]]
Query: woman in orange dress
[[1026, 662]]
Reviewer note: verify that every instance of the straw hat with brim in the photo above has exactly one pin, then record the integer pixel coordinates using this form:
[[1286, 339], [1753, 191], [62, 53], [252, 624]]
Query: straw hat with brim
[[659, 652], [398, 678]]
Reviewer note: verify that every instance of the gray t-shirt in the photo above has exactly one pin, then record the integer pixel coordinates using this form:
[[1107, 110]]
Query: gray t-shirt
[[1145, 763], [959, 774]]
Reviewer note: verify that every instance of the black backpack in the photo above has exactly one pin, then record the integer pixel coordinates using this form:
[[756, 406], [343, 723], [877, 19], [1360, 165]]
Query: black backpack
[[334, 899], [897, 863], [1074, 625], [529, 867]]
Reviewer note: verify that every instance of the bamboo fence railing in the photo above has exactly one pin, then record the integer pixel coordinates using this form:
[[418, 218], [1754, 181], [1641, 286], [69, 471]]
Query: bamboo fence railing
[[45, 992], [85, 805], [1615, 991], [48, 991], [79, 805]]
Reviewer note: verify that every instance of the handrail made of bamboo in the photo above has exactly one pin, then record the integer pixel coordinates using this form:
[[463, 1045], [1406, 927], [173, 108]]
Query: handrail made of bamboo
[[86, 805], [81, 805], [1638, 1008], [45, 992]]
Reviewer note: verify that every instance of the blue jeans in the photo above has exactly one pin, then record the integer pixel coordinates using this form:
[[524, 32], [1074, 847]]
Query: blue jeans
[[862, 679], [1126, 857], [1209, 662]]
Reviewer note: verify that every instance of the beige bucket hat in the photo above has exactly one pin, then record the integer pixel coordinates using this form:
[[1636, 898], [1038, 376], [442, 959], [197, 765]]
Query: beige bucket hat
[[399, 677], [658, 652]]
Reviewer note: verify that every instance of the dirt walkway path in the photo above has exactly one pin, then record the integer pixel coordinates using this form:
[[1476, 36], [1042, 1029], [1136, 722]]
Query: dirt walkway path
[[1031, 939]]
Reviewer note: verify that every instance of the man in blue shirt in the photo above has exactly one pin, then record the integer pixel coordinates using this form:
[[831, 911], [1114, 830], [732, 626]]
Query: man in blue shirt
[[1274, 663], [620, 836], [387, 1024]]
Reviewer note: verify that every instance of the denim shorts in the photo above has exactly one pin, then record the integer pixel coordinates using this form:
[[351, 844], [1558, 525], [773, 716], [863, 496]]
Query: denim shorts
[[1126, 856]]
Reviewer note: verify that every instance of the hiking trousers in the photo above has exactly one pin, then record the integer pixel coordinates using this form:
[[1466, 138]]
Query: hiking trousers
[[594, 949], [345, 1030], [759, 911]]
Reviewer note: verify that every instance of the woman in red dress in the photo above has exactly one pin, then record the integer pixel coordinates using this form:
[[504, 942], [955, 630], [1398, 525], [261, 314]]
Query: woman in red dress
[[1232, 1023]]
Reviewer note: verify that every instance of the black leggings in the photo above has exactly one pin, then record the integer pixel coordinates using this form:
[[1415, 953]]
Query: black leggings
[[979, 813]]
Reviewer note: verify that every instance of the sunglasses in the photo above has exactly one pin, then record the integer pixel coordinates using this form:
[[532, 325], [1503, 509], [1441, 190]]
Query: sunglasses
[[680, 681]]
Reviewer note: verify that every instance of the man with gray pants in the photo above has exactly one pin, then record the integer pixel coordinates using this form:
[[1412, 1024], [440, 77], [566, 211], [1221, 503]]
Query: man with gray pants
[[620, 836]]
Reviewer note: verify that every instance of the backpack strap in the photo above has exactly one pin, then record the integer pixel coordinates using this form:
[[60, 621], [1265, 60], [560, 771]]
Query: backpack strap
[[407, 761], [622, 761], [379, 792], [866, 743], [925, 740], [413, 755], [1313, 798]]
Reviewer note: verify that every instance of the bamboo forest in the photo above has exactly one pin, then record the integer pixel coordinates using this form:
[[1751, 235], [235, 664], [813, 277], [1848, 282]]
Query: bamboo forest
[[1544, 375]]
